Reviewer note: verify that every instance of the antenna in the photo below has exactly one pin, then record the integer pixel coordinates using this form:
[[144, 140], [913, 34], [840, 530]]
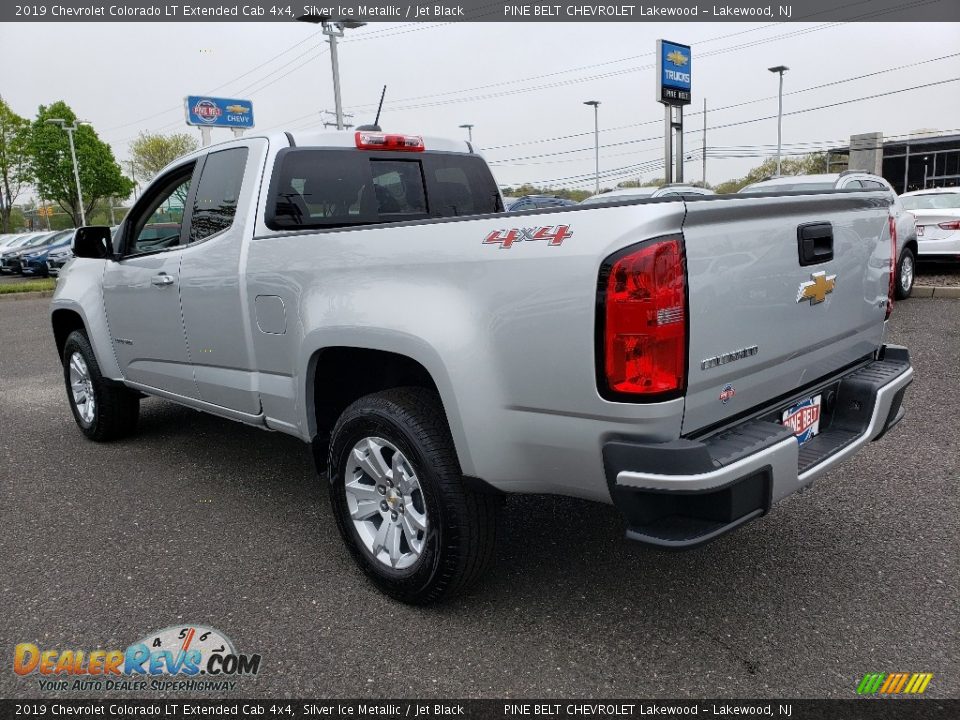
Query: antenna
[[376, 122], [380, 106]]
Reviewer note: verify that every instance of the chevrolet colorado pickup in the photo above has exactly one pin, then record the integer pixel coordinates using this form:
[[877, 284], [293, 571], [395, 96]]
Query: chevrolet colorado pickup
[[689, 360]]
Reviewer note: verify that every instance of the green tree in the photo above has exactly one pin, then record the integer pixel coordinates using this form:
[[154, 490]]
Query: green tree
[[151, 152], [528, 189], [100, 175], [14, 160]]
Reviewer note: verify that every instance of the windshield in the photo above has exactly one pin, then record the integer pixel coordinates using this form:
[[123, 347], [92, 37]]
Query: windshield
[[788, 187], [933, 201]]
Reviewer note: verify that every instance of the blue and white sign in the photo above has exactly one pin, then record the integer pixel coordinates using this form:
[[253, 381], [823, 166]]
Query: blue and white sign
[[673, 73], [205, 111]]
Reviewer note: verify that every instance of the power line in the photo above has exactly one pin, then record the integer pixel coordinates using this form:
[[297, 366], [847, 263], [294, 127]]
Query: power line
[[737, 123], [732, 106], [794, 33]]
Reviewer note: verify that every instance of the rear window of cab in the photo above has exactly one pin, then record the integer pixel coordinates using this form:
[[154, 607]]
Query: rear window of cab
[[317, 188]]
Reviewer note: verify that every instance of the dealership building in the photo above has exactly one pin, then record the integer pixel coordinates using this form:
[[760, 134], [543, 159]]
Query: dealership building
[[925, 159]]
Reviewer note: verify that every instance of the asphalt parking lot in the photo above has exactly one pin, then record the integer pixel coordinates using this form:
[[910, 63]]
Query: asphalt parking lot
[[201, 520]]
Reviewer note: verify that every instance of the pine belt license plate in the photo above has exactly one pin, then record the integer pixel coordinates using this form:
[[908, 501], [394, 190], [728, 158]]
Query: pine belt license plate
[[803, 418]]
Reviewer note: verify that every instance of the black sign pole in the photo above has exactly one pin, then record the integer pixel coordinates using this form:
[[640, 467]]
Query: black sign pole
[[668, 142], [679, 127]]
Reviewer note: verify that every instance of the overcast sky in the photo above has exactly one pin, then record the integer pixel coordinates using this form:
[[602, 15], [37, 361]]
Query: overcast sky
[[517, 83]]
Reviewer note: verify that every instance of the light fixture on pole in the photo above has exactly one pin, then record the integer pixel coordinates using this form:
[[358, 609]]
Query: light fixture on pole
[[596, 143], [333, 28], [780, 70], [469, 128], [71, 129]]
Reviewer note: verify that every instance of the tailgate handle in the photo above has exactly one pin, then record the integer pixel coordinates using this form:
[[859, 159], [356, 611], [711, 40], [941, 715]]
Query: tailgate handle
[[815, 243]]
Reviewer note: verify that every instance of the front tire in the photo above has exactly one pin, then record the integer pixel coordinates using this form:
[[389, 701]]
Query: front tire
[[906, 272], [103, 410], [400, 502]]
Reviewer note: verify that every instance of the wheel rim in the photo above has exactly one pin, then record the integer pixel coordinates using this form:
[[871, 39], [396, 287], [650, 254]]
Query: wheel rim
[[81, 387], [386, 502], [906, 273]]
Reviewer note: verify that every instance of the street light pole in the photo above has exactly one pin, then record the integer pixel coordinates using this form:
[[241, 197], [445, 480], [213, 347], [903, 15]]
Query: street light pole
[[71, 129], [469, 129], [779, 69], [596, 143], [333, 28]]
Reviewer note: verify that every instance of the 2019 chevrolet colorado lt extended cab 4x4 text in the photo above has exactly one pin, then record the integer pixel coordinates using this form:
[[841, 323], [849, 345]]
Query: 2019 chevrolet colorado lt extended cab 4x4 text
[[689, 360]]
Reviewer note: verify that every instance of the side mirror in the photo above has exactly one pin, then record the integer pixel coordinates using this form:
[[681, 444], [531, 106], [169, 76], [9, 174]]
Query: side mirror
[[92, 241]]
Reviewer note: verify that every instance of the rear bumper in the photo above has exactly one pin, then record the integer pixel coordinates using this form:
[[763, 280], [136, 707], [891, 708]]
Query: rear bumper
[[684, 493], [948, 246]]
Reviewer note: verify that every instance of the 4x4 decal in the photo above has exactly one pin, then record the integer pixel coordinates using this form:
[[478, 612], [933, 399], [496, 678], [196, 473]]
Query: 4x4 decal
[[554, 234]]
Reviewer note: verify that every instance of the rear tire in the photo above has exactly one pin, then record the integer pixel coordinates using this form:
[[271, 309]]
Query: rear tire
[[906, 272], [399, 499], [103, 410]]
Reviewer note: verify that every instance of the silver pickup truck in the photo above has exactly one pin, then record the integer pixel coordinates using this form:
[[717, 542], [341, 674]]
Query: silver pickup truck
[[689, 360]]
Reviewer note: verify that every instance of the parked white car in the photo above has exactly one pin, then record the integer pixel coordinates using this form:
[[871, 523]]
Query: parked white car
[[902, 222], [647, 192], [937, 212]]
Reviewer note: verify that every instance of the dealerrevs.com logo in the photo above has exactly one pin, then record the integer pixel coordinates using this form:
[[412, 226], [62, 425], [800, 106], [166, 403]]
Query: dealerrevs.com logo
[[176, 658]]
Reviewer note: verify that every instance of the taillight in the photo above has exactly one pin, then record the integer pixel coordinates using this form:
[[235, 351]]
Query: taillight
[[950, 225], [893, 265], [642, 322], [389, 141]]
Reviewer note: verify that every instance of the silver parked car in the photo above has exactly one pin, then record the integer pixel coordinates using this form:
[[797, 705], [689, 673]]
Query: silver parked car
[[685, 360]]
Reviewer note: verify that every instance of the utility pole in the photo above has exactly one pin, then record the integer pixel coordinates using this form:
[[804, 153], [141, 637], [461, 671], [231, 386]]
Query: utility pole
[[133, 176], [704, 142], [469, 128], [333, 28], [780, 69], [596, 143], [70, 130]]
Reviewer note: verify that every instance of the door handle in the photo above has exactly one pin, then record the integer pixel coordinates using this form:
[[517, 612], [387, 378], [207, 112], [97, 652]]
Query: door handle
[[161, 280], [815, 243]]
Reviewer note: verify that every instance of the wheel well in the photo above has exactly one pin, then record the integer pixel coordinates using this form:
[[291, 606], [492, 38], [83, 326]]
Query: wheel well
[[912, 246], [344, 374], [64, 323]]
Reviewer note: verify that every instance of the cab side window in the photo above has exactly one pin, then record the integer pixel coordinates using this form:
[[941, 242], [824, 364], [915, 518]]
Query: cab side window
[[157, 226], [215, 204]]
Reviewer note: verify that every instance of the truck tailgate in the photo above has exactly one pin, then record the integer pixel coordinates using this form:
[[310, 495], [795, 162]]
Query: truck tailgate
[[762, 324]]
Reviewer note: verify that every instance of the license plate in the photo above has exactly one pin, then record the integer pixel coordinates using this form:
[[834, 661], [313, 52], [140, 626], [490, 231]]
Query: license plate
[[803, 418], [919, 230]]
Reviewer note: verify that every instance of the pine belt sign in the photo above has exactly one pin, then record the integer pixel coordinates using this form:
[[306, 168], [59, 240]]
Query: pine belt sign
[[673, 73], [205, 111]]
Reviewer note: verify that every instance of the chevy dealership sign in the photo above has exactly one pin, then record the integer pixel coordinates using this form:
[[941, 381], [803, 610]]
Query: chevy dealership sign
[[206, 111], [673, 73]]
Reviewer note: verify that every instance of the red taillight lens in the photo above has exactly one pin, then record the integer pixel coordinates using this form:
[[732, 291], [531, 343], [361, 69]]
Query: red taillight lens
[[893, 266], [950, 225], [387, 141], [644, 316]]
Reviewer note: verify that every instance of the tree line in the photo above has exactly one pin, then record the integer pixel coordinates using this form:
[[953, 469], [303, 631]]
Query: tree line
[[35, 155]]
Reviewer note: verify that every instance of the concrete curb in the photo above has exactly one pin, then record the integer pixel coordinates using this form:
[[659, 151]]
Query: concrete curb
[[31, 295], [926, 291]]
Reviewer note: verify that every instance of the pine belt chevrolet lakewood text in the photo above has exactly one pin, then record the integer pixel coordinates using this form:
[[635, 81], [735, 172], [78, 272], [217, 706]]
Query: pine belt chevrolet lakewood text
[[691, 360]]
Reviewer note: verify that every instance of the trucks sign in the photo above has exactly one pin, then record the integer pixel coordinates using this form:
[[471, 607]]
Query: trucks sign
[[673, 73], [206, 111]]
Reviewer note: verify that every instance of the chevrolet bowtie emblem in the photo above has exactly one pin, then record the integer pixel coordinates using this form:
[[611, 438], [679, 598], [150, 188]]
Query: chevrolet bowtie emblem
[[817, 289]]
